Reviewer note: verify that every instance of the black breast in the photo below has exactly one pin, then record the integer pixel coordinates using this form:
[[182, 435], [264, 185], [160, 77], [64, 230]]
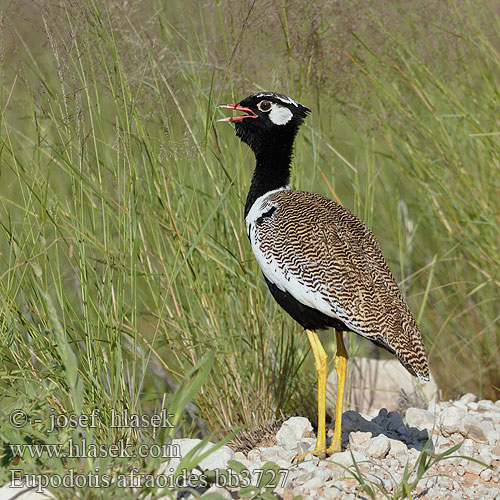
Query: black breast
[[306, 316]]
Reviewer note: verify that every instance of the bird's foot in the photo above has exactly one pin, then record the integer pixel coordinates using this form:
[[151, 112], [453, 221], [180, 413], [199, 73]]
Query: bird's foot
[[317, 452], [335, 447]]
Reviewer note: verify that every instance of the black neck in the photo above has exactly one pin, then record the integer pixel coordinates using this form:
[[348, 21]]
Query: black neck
[[272, 171]]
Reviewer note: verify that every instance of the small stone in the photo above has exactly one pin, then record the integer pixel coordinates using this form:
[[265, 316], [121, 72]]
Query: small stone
[[469, 492], [254, 455], [494, 416], [486, 458], [358, 438], [496, 451], [444, 482], [272, 453], [482, 449], [344, 458], [388, 484], [487, 425], [472, 406], [310, 465], [493, 492], [302, 478], [335, 491], [431, 482], [474, 431], [397, 447], [421, 419], [283, 464], [475, 468], [482, 491], [459, 404], [292, 431], [239, 456], [452, 420], [493, 437], [486, 475], [314, 483], [485, 404], [421, 483], [216, 460], [412, 455], [467, 448], [460, 470], [379, 446]]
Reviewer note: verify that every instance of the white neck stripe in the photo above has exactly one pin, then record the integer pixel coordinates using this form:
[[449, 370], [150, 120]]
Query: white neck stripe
[[285, 99]]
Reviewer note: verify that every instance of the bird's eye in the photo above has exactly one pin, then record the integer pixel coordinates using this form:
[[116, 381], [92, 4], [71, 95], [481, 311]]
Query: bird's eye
[[264, 105]]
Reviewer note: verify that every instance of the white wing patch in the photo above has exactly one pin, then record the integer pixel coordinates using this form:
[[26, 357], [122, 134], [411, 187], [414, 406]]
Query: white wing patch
[[260, 206], [279, 274], [280, 115]]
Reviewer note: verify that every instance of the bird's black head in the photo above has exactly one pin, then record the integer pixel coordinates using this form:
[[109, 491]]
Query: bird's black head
[[270, 118]]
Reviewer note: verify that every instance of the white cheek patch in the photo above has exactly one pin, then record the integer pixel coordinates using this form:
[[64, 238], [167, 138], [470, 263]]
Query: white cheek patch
[[280, 115]]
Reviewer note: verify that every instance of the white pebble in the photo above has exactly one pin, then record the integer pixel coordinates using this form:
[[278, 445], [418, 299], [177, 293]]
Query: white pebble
[[485, 404], [421, 419], [358, 438], [486, 475], [314, 483], [292, 431], [452, 420], [468, 398], [379, 446]]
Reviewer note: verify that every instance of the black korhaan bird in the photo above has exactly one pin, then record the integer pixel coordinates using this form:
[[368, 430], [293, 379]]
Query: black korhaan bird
[[320, 262]]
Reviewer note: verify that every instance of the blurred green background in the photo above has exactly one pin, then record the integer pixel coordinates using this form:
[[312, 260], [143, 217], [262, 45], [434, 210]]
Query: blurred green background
[[123, 253]]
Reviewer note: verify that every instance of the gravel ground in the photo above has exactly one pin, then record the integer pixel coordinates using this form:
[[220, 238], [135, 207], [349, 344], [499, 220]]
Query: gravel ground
[[382, 446]]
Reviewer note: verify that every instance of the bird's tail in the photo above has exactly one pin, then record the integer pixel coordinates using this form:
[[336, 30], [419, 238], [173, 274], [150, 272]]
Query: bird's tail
[[413, 357]]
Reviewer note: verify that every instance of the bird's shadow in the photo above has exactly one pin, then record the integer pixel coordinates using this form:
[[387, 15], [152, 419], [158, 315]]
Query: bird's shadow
[[390, 424]]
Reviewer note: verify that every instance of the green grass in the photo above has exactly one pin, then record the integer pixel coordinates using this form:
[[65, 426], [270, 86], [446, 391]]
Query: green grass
[[371, 485], [123, 253]]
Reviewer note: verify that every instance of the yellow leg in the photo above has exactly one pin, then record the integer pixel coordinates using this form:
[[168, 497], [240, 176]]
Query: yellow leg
[[321, 365], [340, 367]]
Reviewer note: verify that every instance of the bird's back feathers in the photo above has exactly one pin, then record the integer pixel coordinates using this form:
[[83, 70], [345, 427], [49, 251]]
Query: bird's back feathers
[[325, 257]]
